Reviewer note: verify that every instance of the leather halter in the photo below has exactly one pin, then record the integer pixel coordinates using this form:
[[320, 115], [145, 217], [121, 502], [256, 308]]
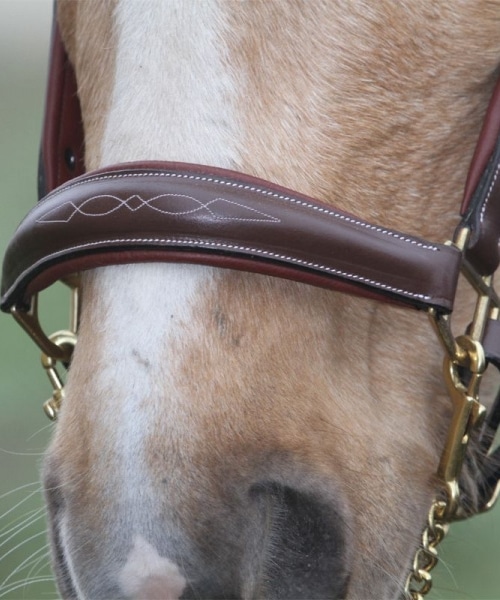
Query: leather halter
[[190, 213], [155, 211], [178, 212]]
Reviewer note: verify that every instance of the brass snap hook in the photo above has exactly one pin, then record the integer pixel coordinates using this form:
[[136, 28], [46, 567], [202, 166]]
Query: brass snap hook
[[66, 340]]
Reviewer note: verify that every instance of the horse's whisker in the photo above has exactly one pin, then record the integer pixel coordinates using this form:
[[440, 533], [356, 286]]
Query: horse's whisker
[[42, 429], [32, 517], [22, 487], [16, 453], [17, 546], [20, 503], [18, 585], [27, 562]]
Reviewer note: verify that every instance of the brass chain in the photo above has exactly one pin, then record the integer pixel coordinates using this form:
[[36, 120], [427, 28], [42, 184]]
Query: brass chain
[[468, 414], [419, 581]]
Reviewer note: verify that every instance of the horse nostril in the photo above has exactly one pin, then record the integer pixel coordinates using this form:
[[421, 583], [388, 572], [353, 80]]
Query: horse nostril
[[304, 549]]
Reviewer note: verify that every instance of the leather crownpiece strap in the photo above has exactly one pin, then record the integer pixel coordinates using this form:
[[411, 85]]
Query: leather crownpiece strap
[[142, 212]]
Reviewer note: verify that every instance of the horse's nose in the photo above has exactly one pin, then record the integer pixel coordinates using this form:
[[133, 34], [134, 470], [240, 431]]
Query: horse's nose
[[272, 542], [239, 538]]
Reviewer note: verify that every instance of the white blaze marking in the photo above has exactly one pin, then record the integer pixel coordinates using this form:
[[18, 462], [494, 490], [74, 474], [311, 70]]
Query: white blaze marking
[[148, 310], [146, 574], [174, 97]]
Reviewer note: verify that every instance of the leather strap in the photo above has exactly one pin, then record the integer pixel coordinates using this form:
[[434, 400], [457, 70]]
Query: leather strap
[[481, 205], [141, 212], [62, 158], [491, 342], [483, 219], [487, 140], [62, 147]]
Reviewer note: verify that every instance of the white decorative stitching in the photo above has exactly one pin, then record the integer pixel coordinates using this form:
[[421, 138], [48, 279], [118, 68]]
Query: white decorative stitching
[[490, 191], [222, 245], [257, 190], [148, 203]]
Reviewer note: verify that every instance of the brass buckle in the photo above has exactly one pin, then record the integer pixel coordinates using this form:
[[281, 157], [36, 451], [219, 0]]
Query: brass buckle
[[468, 414], [29, 321]]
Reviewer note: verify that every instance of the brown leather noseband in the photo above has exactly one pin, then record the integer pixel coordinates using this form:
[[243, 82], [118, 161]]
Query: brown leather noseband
[[189, 213]]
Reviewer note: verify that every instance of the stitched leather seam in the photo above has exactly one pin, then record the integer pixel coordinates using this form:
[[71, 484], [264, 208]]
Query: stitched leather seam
[[257, 190], [222, 245]]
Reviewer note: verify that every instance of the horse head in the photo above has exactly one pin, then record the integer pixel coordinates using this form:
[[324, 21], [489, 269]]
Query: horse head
[[229, 434]]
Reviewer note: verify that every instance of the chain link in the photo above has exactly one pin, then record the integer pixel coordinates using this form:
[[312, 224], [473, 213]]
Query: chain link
[[419, 581]]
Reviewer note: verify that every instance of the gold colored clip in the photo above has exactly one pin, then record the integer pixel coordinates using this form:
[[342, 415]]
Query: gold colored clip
[[30, 322], [57, 347], [66, 340]]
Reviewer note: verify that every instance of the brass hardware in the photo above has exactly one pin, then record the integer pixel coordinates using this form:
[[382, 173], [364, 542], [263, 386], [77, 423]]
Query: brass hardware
[[464, 365], [419, 581], [442, 326], [57, 347], [461, 239], [29, 321], [468, 414], [487, 307], [66, 340]]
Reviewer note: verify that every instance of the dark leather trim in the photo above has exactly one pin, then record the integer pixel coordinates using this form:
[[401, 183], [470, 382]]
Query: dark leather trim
[[483, 219], [484, 149], [491, 342], [62, 148], [150, 210]]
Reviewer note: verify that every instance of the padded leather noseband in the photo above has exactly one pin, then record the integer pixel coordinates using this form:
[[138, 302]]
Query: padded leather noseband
[[166, 211]]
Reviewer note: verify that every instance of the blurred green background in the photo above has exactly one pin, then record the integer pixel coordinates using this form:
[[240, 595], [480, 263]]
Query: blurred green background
[[24, 431], [470, 567]]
